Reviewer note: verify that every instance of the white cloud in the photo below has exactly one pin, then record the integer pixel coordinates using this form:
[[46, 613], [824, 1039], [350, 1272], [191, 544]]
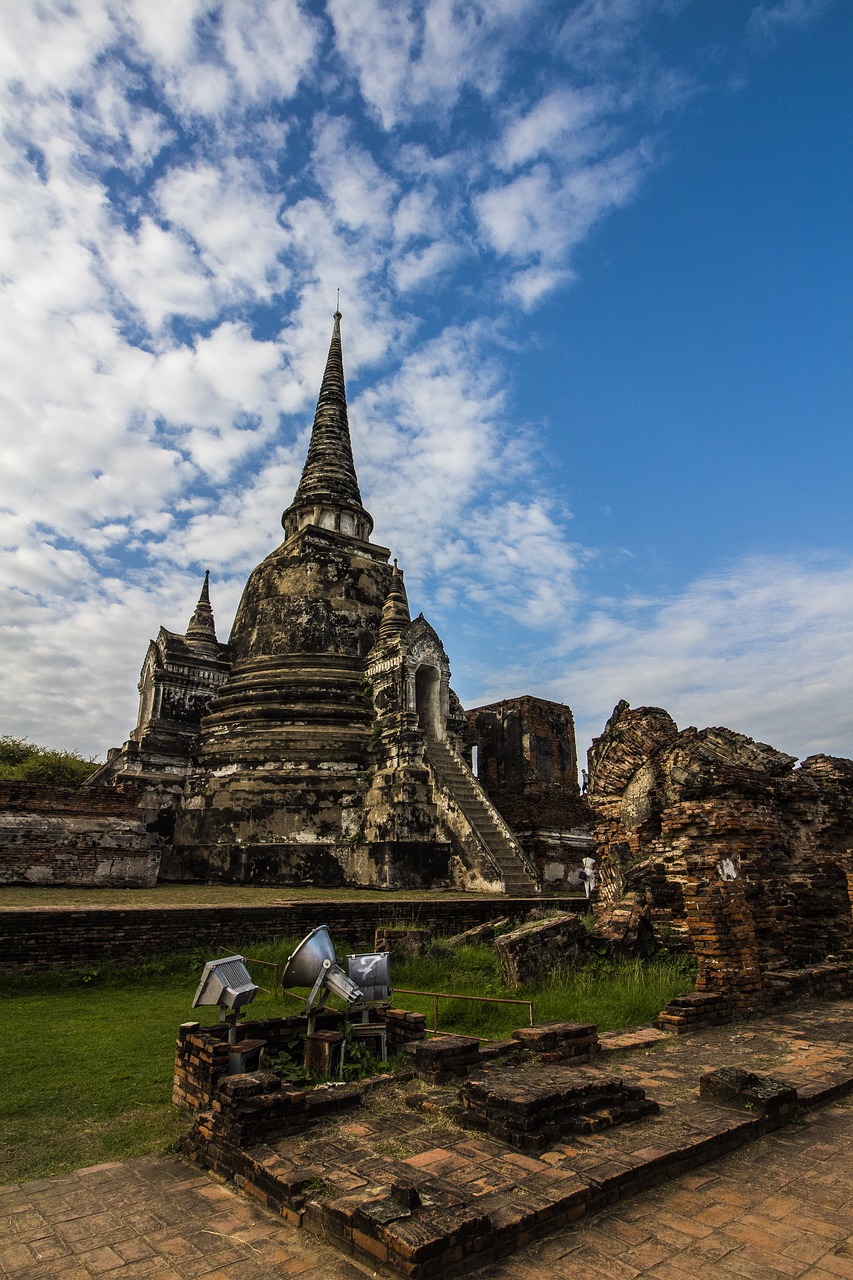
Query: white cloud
[[567, 121], [210, 59], [359, 192], [764, 647], [176, 216], [537, 218], [159, 276], [269, 46], [234, 222], [768, 22], [413, 57]]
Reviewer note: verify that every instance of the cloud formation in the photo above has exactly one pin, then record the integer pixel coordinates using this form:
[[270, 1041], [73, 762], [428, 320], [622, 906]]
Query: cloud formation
[[180, 203]]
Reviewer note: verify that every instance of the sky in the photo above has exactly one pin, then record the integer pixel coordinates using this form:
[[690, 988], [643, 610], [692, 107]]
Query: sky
[[595, 275]]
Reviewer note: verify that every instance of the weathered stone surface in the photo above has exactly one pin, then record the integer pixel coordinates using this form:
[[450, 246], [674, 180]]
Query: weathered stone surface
[[748, 1091], [541, 947], [52, 835], [726, 847], [532, 1113], [444, 1057]]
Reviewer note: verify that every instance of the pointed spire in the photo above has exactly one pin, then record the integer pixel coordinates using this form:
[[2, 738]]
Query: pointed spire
[[329, 486], [395, 611], [201, 632]]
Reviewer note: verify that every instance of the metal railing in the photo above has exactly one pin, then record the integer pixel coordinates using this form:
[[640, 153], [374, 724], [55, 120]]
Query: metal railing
[[279, 992], [448, 995]]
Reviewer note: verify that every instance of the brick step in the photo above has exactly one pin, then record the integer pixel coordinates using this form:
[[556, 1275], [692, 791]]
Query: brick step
[[531, 1117]]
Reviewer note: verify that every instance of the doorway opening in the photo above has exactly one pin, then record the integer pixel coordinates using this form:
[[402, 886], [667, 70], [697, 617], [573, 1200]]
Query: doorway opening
[[428, 701]]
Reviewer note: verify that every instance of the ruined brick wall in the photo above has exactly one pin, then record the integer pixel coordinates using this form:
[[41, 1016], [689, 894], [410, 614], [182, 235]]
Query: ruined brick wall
[[678, 814], [44, 938], [52, 835], [527, 765]]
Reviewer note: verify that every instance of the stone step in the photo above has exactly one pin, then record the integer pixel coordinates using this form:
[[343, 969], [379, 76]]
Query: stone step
[[467, 793]]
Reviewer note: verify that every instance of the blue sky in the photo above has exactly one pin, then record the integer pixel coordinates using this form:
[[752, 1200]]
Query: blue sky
[[595, 271]]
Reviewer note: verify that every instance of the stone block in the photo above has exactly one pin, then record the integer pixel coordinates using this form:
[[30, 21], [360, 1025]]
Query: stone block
[[541, 947], [443, 1058], [747, 1091]]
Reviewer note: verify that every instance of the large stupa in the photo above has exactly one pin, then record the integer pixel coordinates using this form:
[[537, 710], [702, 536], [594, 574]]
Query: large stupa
[[323, 744]]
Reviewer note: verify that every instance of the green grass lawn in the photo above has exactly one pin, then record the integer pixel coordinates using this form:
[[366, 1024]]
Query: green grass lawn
[[88, 1069], [88, 1058]]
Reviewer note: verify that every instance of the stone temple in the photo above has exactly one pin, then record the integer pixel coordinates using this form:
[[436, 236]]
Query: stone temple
[[323, 744]]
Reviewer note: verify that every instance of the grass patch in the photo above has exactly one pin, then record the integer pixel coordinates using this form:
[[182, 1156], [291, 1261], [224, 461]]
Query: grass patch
[[610, 993], [88, 1064], [89, 1055]]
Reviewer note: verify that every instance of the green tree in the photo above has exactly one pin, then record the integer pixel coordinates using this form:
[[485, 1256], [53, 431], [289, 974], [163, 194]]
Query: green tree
[[22, 761]]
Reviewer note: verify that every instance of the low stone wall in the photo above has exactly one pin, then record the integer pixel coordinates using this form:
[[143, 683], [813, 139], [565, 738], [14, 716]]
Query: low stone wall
[[75, 836], [42, 938], [700, 1009]]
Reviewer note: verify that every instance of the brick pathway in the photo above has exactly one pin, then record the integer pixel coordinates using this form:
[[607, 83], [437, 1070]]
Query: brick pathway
[[153, 1217], [782, 1207], [778, 1207]]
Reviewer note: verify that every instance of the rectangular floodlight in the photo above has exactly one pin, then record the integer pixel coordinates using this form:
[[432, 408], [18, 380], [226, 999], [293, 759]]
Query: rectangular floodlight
[[371, 972], [226, 983]]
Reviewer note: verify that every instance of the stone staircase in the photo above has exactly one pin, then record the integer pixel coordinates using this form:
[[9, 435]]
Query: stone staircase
[[488, 826]]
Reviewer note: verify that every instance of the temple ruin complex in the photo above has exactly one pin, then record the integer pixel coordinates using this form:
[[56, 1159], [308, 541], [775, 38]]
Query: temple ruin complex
[[323, 745]]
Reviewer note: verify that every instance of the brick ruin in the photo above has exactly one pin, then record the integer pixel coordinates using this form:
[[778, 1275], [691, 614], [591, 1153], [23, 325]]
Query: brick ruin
[[467, 1151], [324, 745], [728, 848], [527, 763], [68, 836]]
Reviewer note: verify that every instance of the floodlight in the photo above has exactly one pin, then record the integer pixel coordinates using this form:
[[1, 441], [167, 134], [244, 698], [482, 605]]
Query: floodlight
[[228, 984], [371, 972], [313, 965]]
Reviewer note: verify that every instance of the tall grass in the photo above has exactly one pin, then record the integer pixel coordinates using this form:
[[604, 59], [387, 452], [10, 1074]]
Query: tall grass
[[609, 993]]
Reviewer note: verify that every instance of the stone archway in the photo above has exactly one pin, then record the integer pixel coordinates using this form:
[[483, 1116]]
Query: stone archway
[[428, 701]]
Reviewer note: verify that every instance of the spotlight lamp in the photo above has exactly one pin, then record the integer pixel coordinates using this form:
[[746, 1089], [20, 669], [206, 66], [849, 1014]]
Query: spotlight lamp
[[227, 983], [313, 965]]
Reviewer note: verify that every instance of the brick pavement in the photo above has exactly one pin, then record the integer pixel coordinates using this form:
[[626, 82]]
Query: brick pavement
[[152, 1218], [781, 1206]]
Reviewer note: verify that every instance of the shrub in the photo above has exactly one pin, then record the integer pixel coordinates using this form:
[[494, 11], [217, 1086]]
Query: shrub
[[22, 761]]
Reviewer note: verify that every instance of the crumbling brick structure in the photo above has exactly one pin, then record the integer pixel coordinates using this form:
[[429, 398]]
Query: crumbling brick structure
[[725, 845], [62, 836]]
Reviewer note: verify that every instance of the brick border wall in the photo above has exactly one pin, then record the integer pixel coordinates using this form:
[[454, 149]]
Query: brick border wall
[[43, 938], [81, 836]]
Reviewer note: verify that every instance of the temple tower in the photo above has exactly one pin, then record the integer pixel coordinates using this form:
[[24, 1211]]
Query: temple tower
[[274, 791], [330, 748], [179, 676]]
